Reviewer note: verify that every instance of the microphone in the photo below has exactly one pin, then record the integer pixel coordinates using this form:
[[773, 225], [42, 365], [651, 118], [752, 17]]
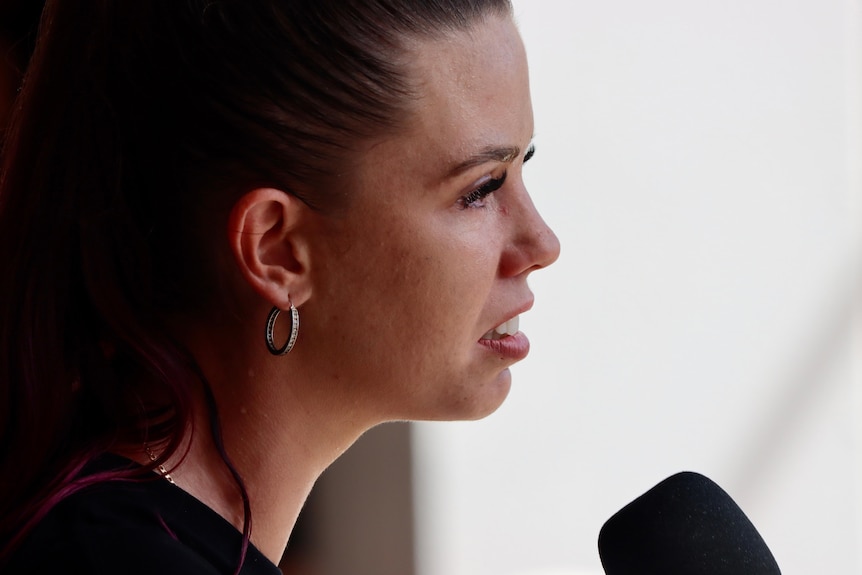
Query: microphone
[[685, 525]]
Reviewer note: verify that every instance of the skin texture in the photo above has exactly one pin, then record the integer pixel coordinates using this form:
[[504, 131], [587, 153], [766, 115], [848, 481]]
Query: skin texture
[[394, 292], [411, 278]]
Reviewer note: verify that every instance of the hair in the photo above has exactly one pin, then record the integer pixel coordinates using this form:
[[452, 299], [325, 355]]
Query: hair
[[18, 20], [135, 121]]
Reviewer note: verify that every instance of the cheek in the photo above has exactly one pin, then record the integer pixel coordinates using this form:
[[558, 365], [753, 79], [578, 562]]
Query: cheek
[[417, 290], [396, 318], [378, 287], [409, 276]]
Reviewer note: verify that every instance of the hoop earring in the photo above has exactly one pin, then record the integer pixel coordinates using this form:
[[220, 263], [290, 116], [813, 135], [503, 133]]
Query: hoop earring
[[270, 328]]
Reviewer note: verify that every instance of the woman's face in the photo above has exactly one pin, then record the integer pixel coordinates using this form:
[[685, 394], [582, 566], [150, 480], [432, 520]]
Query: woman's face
[[433, 253]]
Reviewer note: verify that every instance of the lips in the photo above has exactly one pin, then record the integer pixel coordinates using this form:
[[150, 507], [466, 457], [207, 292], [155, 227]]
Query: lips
[[505, 329]]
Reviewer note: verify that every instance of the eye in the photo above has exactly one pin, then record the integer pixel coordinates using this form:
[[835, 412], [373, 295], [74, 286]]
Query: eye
[[474, 198], [530, 152]]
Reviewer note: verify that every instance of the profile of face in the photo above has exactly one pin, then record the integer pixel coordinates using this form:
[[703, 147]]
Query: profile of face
[[432, 255]]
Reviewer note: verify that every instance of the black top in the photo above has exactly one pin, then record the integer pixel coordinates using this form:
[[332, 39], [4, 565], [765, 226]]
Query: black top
[[135, 528]]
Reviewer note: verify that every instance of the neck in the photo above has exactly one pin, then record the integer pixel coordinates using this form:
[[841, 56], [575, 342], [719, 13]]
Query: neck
[[279, 461], [280, 437]]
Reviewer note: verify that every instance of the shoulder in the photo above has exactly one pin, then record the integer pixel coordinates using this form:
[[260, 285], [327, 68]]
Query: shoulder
[[135, 528], [108, 528]]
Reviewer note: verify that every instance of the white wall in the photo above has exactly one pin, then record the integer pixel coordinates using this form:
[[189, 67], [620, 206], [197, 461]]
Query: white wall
[[702, 165]]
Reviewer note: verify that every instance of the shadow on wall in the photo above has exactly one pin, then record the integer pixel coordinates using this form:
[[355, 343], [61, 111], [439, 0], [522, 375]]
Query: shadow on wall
[[359, 518]]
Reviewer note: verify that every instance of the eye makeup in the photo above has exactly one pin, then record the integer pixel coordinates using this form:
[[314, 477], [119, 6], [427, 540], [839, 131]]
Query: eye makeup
[[474, 198]]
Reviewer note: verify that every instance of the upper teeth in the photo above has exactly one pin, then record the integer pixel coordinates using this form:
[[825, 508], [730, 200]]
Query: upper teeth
[[506, 328]]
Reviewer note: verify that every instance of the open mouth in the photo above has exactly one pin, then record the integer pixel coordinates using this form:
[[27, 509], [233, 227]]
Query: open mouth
[[505, 329]]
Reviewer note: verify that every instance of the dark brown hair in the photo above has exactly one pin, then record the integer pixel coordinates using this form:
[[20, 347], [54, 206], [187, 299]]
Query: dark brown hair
[[132, 107]]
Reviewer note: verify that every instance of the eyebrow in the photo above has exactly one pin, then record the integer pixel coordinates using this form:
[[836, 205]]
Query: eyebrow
[[502, 154]]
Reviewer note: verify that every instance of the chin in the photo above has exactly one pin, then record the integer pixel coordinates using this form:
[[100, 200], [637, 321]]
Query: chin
[[479, 402]]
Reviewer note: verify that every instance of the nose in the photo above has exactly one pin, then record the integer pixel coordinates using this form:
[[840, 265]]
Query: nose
[[533, 245]]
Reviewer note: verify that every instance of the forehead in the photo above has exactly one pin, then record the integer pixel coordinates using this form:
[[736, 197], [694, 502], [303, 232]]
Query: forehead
[[472, 90]]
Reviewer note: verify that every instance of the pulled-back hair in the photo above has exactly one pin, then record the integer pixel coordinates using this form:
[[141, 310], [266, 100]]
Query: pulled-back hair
[[135, 118]]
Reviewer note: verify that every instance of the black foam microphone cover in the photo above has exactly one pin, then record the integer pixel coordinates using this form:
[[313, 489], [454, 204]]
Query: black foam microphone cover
[[685, 525]]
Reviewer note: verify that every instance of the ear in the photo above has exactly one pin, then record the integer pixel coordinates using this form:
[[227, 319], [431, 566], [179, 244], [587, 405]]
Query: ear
[[265, 236]]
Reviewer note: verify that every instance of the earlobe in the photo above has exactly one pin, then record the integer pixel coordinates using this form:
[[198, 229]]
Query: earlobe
[[265, 237]]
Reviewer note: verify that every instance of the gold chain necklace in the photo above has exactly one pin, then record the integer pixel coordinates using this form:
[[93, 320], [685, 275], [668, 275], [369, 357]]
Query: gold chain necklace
[[160, 468]]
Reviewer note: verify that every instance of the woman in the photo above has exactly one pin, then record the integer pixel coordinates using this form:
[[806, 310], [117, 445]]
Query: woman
[[182, 182]]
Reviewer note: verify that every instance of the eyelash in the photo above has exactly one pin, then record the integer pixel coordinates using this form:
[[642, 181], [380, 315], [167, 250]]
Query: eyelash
[[472, 199]]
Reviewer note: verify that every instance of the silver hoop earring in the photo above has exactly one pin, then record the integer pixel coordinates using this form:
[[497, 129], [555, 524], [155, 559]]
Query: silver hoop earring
[[270, 328]]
